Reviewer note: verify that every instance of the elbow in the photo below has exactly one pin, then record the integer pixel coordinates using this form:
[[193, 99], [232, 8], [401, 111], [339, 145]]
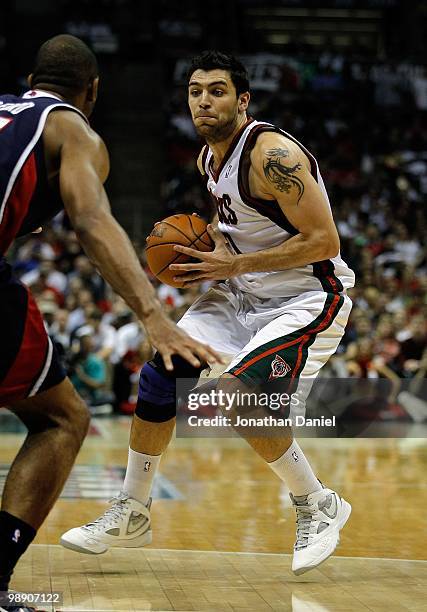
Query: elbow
[[333, 252], [324, 243], [325, 246], [331, 246]]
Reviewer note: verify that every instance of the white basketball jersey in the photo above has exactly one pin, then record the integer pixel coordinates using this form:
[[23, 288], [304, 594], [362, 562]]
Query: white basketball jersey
[[251, 224]]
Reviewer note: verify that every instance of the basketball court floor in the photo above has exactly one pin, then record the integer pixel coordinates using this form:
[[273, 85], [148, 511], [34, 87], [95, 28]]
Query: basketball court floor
[[224, 528]]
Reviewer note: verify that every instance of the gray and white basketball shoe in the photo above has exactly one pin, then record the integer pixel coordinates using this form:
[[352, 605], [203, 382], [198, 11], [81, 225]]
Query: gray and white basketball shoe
[[126, 524], [320, 517]]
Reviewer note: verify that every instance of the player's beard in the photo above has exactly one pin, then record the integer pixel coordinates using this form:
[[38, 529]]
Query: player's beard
[[218, 132]]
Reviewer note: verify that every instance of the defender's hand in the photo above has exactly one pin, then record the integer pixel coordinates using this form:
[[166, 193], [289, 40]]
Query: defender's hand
[[214, 265], [169, 340]]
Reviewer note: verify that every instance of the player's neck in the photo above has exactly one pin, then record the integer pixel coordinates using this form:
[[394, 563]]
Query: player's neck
[[49, 90], [219, 149]]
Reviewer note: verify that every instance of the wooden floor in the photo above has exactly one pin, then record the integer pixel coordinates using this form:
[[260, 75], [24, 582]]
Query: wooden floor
[[153, 579], [224, 528]]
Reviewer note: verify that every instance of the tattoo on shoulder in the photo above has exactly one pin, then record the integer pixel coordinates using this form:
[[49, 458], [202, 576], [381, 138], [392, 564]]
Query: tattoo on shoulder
[[282, 176]]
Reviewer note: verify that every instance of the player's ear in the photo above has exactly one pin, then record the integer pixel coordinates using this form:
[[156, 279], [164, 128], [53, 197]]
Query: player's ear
[[244, 101], [92, 91], [30, 80]]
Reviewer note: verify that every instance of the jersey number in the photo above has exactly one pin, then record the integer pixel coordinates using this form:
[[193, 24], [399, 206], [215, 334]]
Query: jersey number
[[225, 213]]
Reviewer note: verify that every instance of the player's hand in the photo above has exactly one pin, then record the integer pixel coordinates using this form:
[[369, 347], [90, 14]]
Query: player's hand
[[169, 340], [214, 265]]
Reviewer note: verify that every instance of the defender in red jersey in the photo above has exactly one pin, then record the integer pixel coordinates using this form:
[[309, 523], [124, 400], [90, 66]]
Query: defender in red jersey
[[50, 158]]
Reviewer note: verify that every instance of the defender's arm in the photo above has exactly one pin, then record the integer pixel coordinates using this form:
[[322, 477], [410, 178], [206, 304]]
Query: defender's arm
[[83, 167]]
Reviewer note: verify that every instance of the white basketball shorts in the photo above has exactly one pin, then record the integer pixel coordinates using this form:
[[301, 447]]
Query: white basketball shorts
[[271, 338]]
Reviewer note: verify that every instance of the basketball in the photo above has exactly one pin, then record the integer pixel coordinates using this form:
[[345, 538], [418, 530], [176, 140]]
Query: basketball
[[183, 229]]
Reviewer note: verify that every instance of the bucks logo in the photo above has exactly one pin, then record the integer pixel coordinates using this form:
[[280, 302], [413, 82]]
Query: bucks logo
[[279, 368]]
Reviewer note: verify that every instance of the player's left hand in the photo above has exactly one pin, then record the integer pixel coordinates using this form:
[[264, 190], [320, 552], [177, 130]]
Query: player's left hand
[[218, 264]]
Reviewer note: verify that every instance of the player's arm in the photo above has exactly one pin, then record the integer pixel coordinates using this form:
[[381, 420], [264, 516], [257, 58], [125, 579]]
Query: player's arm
[[83, 167], [281, 171]]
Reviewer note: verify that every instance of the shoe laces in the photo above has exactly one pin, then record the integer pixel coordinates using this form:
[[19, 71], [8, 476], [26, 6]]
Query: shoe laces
[[112, 515], [305, 515]]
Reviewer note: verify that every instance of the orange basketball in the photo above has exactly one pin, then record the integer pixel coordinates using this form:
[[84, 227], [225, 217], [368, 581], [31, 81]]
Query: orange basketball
[[187, 230]]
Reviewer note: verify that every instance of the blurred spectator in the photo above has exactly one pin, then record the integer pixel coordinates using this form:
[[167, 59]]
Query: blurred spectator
[[54, 278], [48, 308], [84, 305], [103, 335], [128, 337], [363, 362], [60, 335], [88, 373], [86, 273], [126, 377], [412, 349]]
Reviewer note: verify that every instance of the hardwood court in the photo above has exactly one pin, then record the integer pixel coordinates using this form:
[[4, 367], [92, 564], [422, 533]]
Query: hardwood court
[[223, 530]]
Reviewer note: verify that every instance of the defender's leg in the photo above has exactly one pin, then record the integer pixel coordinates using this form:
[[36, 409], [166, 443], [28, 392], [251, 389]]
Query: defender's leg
[[57, 422]]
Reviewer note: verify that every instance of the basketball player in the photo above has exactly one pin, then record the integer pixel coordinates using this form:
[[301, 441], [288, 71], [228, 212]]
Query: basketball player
[[50, 158], [280, 314]]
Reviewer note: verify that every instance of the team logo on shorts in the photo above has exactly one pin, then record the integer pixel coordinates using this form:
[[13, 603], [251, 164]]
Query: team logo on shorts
[[279, 368]]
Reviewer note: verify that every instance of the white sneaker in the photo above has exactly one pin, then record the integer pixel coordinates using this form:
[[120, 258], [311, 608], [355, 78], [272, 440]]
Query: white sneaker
[[320, 517], [127, 524]]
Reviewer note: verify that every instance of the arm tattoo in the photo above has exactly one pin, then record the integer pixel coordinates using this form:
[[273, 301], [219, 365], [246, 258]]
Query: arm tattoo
[[283, 177]]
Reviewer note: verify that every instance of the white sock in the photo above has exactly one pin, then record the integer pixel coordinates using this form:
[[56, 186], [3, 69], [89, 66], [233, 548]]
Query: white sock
[[140, 473], [295, 471]]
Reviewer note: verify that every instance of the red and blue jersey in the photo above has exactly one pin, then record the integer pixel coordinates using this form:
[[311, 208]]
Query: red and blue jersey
[[29, 363], [27, 200]]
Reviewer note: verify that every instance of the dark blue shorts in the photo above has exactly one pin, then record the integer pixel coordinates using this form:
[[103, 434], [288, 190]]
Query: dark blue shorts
[[29, 363]]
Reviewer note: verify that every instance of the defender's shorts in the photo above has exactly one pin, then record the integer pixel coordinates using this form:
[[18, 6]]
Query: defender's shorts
[[29, 363], [269, 339]]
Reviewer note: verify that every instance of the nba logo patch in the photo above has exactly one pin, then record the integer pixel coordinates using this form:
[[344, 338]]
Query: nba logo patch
[[16, 535], [147, 465], [279, 368]]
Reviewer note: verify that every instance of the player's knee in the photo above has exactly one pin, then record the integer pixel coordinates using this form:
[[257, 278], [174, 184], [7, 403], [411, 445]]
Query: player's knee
[[61, 409], [156, 396], [233, 394], [81, 420], [74, 418], [157, 388]]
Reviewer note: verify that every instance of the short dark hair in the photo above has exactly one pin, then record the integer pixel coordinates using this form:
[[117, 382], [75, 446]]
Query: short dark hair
[[65, 63], [215, 60]]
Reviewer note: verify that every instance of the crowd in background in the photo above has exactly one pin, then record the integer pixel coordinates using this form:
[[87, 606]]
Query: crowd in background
[[368, 130]]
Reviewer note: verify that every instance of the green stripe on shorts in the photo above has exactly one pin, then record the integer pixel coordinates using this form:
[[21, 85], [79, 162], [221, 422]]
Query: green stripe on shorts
[[273, 360]]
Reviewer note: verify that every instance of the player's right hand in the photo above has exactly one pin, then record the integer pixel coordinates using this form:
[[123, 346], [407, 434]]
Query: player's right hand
[[169, 340]]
